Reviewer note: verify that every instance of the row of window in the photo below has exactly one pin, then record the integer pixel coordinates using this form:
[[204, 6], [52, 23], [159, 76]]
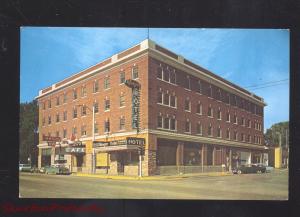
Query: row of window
[[83, 130], [168, 75], [170, 123], [165, 98], [83, 91]]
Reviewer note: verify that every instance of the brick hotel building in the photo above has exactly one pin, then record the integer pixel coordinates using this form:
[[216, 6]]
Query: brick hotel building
[[191, 119]]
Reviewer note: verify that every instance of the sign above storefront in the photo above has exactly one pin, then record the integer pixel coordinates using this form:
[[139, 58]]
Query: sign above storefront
[[51, 138], [127, 141], [75, 150]]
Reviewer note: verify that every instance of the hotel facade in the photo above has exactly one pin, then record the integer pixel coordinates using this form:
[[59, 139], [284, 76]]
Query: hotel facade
[[190, 120]]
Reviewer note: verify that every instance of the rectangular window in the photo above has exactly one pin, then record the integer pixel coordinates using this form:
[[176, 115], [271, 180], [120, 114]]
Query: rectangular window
[[219, 132], [159, 72], [228, 117], [44, 121], [166, 75], [122, 100], [199, 89], [219, 114], [57, 100], [209, 91], [135, 72], [188, 83], [96, 107], [106, 126], [49, 120], [187, 105], [49, 103], [74, 131], [210, 130], [96, 86], [106, 82], [227, 134], [74, 94], [83, 130], [173, 124], [107, 105], [83, 110], [122, 123], [57, 134], [243, 121], [199, 108], [173, 77], [210, 111], [187, 126], [159, 121], [122, 77], [173, 101], [57, 118], [166, 123], [96, 128], [75, 112], [65, 98], [235, 135], [235, 119], [65, 133], [219, 95], [44, 105], [159, 97], [199, 128], [166, 99]]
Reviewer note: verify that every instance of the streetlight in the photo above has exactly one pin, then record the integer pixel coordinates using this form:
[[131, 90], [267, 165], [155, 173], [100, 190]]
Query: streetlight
[[93, 134]]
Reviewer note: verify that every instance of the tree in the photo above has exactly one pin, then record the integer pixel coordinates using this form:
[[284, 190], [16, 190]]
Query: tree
[[28, 131], [272, 137]]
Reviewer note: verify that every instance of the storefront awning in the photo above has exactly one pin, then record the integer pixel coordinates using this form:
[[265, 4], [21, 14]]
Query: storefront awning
[[116, 148]]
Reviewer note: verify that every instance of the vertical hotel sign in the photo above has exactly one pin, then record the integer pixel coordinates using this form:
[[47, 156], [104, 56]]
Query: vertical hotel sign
[[135, 87]]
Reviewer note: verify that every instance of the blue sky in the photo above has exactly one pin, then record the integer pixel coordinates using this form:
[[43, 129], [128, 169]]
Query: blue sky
[[246, 57]]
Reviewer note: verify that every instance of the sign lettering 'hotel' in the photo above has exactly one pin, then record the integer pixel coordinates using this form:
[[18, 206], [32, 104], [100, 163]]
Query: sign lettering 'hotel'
[[186, 116]]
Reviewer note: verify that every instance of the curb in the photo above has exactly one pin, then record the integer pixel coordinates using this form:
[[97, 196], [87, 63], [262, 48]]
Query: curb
[[150, 177]]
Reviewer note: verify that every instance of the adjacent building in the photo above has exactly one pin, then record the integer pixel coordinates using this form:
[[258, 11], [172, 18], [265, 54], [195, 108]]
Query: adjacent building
[[189, 118]]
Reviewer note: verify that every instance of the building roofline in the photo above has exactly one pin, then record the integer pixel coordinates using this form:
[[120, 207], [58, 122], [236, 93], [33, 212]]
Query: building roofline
[[138, 48]]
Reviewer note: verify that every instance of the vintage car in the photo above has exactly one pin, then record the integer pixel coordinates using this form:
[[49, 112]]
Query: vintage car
[[57, 169], [249, 168], [24, 167]]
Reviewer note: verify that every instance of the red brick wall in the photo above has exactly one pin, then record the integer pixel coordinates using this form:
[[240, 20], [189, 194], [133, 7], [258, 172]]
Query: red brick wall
[[114, 91], [182, 115]]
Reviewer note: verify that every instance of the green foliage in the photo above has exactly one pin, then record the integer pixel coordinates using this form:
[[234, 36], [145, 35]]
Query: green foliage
[[28, 127], [272, 134]]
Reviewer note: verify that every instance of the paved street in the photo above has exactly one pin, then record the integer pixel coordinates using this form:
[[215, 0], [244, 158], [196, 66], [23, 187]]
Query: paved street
[[269, 186]]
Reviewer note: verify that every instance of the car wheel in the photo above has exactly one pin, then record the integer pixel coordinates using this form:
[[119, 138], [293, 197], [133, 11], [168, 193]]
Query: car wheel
[[239, 171]]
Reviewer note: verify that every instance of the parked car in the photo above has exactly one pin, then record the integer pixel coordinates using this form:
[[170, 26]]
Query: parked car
[[249, 168], [268, 168], [34, 170], [24, 167], [58, 170]]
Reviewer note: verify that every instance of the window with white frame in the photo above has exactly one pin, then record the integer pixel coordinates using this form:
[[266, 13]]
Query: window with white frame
[[83, 130], [199, 128], [135, 72], [74, 94], [173, 77], [219, 132], [249, 138], [159, 72], [210, 130], [219, 114], [57, 117], [65, 97], [210, 91], [160, 97], [219, 95], [74, 131], [106, 82], [235, 135], [188, 126], [228, 116], [243, 121], [96, 107], [235, 119], [210, 111], [173, 123], [65, 115], [199, 108], [107, 104], [106, 126], [188, 82], [166, 75], [122, 77], [187, 105], [173, 100], [96, 86], [228, 133], [159, 121], [166, 99], [83, 91], [122, 100], [83, 110], [166, 123], [122, 123]]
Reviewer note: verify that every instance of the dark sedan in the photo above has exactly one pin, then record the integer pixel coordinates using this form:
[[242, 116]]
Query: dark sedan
[[250, 168]]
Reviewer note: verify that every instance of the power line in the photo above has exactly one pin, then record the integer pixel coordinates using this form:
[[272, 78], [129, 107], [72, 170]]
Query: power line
[[270, 82], [271, 85]]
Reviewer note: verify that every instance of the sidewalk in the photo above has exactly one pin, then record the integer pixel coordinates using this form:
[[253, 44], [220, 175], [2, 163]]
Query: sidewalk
[[157, 177]]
